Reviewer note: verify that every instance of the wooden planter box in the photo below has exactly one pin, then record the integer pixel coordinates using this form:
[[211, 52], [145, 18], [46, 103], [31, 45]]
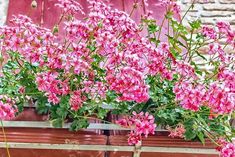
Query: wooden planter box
[[37, 138], [161, 145]]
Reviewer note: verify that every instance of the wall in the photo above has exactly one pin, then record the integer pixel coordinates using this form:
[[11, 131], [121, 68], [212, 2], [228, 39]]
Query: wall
[[3, 11], [212, 10]]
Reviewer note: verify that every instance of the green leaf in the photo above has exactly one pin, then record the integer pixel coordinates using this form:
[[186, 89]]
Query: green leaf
[[62, 112], [92, 48], [55, 29], [174, 52], [152, 28], [201, 137], [42, 106], [101, 112], [190, 133], [79, 124], [195, 24], [57, 123]]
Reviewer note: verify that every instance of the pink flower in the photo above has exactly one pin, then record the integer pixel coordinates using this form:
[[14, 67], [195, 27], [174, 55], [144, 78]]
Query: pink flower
[[49, 83], [134, 138], [227, 77], [76, 100], [177, 132], [216, 48], [221, 142], [223, 27], [141, 124], [7, 111], [189, 96], [97, 90], [53, 98], [130, 84], [64, 87], [209, 32], [230, 36], [171, 5], [77, 30], [176, 8], [70, 6], [219, 99], [184, 70], [228, 150]]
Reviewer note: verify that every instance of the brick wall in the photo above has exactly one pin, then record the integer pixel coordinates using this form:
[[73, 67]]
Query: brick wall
[[3, 11], [211, 11]]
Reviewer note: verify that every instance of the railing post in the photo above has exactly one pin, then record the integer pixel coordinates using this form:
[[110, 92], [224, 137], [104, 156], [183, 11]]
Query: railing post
[[137, 150]]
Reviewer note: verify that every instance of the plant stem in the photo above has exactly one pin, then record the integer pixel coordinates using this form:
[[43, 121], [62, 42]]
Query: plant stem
[[191, 6], [5, 139], [87, 117], [160, 29], [135, 5]]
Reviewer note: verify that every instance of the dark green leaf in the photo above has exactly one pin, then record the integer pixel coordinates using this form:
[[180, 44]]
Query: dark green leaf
[[57, 123]]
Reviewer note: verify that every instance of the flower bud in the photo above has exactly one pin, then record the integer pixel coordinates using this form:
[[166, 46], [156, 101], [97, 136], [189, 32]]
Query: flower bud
[[55, 29], [34, 4]]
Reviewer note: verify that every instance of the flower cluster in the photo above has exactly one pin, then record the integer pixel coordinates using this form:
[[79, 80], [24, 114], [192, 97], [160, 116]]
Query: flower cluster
[[220, 100], [177, 132], [125, 57], [70, 7], [140, 124], [227, 78], [48, 82], [128, 82], [217, 94], [7, 111], [222, 30], [209, 32], [190, 96], [226, 149], [76, 100], [171, 5]]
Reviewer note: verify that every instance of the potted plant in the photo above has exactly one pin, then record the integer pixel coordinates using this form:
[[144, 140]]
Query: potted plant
[[104, 61]]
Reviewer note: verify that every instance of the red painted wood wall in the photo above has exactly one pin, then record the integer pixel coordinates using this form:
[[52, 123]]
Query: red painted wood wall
[[46, 14]]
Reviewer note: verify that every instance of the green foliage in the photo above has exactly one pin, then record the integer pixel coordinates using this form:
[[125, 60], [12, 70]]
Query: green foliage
[[57, 123], [153, 28], [195, 24], [42, 105], [79, 124]]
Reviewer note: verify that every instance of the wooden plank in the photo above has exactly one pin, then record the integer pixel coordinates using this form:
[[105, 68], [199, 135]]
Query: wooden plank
[[107, 148], [23, 7], [47, 124]]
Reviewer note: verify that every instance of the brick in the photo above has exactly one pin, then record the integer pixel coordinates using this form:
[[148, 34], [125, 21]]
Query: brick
[[227, 1], [208, 21], [216, 14], [198, 1], [231, 20], [212, 22], [216, 7]]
